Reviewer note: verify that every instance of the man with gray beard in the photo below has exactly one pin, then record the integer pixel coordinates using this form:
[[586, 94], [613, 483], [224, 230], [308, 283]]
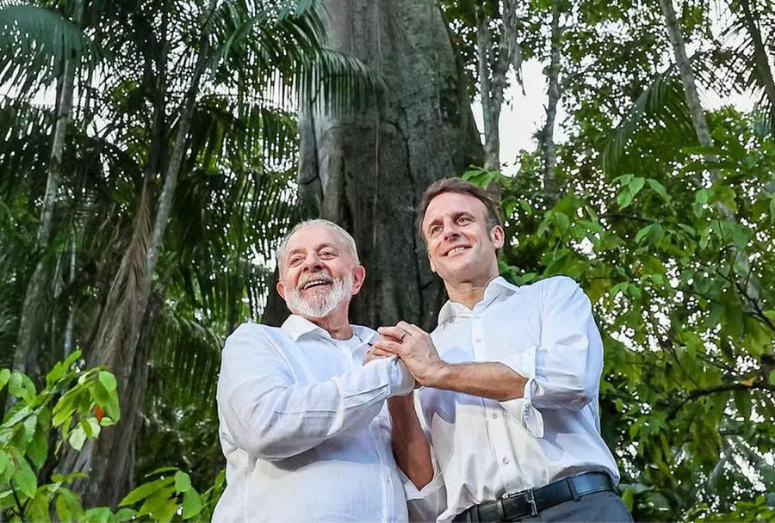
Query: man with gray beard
[[303, 422]]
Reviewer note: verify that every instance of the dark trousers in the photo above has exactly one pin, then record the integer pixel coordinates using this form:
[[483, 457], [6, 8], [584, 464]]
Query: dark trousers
[[602, 507]]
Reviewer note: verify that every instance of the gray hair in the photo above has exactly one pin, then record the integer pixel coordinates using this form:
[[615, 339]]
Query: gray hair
[[348, 239]]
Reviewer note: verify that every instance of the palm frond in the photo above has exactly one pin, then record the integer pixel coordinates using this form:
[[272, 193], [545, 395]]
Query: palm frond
[[34, 42], [662, 104]]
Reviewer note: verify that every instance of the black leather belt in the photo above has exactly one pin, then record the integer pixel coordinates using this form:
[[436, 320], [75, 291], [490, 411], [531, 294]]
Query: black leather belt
[[530, 502]]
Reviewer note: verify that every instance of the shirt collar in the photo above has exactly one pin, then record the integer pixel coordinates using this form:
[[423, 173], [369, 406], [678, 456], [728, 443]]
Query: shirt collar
[[297, 326], [497, 287]]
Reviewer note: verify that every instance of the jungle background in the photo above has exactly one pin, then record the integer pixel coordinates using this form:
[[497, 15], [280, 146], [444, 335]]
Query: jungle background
[[154, 152]]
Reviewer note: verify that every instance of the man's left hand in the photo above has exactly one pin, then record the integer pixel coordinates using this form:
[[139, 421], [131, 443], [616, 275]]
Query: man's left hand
[[415, 348]]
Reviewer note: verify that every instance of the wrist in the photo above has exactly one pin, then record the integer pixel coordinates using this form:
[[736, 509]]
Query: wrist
[[441, 376]]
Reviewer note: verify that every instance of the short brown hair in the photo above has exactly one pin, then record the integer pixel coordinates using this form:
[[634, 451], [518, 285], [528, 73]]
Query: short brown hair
[[460, 186]]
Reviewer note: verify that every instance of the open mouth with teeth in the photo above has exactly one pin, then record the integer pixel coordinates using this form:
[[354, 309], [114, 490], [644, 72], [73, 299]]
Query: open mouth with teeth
[[318, 282], [457, 250]]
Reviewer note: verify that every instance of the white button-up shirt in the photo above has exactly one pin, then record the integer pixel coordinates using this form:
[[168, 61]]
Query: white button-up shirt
[[486, 448], [305, 428]]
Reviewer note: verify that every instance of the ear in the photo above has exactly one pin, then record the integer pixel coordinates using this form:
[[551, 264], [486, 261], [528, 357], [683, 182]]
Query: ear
[[281, 289], [497, 236], [359, 275], [430, 260]]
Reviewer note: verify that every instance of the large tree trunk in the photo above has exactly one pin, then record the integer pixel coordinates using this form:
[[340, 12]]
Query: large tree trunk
[[367, 171]]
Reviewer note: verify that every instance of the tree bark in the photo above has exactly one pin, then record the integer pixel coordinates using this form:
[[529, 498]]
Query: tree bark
[[490, 106], [367, 171], [550, 155]]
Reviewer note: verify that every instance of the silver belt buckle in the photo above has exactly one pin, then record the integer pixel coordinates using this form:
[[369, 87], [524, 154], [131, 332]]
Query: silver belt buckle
[[528, 494]]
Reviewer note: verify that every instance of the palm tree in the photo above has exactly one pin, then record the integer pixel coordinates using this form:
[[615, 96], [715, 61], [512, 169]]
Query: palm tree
[[185, 115]]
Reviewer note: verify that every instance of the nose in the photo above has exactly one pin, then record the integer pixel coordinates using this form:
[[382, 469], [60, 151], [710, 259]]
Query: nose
[[451, 231], [312, 263]]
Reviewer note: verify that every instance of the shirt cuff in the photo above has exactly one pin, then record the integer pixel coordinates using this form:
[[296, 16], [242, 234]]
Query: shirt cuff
[[401, 380], [433, 486], [522, 409]]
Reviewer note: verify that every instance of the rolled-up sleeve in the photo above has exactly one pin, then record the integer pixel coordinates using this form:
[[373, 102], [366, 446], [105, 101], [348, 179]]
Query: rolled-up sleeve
[[272, 417], [564, 370], [427, 503]]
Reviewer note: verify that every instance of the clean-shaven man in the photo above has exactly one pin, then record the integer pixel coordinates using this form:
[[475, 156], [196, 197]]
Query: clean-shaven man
[[510, 378], [302, 422]]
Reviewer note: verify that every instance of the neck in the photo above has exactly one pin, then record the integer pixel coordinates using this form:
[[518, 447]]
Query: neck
[[469, 292], [337, 323]]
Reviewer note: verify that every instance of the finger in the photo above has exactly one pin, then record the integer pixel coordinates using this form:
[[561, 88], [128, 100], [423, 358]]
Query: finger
[[388, 346], [394, 332], [411, 328], [389, 338], [376, 351]]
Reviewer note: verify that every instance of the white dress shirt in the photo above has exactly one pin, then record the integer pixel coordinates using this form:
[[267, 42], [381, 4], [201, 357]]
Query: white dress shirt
[[305, 428], [485, 448]]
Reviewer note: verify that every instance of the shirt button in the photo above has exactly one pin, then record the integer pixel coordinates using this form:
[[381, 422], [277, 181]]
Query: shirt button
[[494, 415], [505, 461]]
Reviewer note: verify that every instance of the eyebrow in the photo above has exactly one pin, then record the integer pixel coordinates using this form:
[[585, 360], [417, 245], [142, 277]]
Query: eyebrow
[[454, 217], [300, 249]]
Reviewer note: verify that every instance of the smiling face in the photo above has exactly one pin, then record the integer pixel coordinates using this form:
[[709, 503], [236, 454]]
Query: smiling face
[[461, 246], [318, 272]]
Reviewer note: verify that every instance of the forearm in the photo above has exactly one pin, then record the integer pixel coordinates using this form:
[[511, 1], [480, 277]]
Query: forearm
[[487, 380], [410, 446], [286, 421]]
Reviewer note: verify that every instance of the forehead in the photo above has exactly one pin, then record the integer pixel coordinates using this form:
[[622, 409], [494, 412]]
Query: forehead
[[314, 236], [452, 203]]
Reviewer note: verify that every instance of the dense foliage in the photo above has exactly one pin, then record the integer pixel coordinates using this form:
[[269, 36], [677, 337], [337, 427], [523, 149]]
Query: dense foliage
[[141, 201]]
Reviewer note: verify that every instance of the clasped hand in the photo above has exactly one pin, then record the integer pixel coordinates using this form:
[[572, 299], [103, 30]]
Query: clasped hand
[[414, 347]]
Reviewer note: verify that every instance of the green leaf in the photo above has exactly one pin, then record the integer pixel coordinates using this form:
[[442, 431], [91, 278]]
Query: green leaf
[[182, 482], [643, 232], [97, 515], [772, 210], [192, 504], [659, 189], [77, 437], [108, 380], [124, 514], [145, 490], [38, 449], [772, 378], [627, 497], [25, 479], [5, 375], [159, 502], [4, 460], [636, 184], [770, 314], [37, 510], [624, 199], [63, 510]]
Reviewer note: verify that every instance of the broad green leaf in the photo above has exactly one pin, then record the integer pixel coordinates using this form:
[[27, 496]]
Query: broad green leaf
[[97, 515], [108, 380], [4, 460], [5, 375], [145, 490], [192, 504], [38, 449], [37, 510], [77, 437], [182, 482], [627, 497], [25, 479]]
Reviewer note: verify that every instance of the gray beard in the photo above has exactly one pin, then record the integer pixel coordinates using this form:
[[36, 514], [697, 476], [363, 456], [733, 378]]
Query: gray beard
[[323, 304]]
